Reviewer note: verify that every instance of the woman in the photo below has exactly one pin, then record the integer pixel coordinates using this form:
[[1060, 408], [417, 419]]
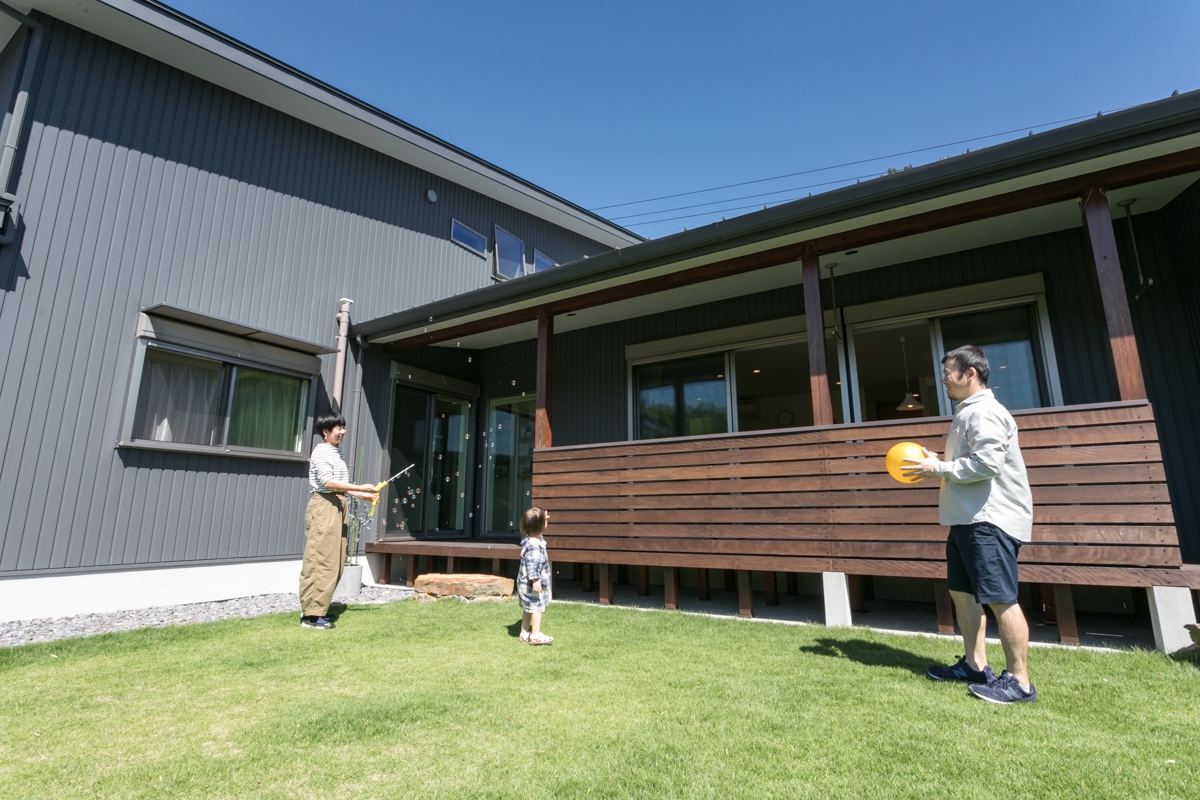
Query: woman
[[326, 521]]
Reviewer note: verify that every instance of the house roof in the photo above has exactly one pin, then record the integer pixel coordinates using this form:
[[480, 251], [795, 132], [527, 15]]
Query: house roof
[[1146, 131], [166, 35]]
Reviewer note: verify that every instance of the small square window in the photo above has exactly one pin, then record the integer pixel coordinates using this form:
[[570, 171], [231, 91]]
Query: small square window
[[510, 255], [542, 262], [472, 240]]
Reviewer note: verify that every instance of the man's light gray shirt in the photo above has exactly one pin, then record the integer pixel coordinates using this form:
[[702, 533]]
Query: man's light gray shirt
[[983, 474]]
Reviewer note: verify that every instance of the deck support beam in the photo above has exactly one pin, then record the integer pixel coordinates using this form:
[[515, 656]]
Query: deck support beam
[[1170, 610], [545, 379], [606, 584], [1110, 285], [643, 581], [837, 600], [945, 607], [702, 590], [814, 322], [670, 588], [745, 596], [770, 582]]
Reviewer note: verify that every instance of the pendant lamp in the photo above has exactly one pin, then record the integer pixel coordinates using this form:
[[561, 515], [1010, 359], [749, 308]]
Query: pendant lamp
[[910, 401]]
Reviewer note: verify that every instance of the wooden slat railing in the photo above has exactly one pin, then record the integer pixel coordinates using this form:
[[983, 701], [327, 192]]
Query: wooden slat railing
[[820, 500]]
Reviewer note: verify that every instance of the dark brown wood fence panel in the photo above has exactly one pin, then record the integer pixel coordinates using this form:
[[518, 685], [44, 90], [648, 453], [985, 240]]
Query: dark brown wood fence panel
[[819, 499]]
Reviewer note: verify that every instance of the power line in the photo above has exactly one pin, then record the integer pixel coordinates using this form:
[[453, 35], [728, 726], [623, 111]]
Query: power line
[[746, 197], [723, 210], [851, 163]]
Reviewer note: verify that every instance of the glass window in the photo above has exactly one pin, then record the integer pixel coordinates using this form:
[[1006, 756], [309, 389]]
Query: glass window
[[268, 410], [180, 399], [895, 369], [406, 500], [686, 397], [1008, 338], [447, 466], [541, 262], [509, 446], [510, 255], [185, 399], [773, 387], [468, 238]]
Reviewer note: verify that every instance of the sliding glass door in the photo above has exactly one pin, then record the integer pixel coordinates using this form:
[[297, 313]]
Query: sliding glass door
[[508, 443], [430, 432]]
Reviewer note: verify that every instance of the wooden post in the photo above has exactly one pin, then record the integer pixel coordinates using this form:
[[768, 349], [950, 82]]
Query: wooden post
[[772, 591], [945, 607], [496, 567], [545, 379], [410, 575], [451, 565], [385, 569], [606, 585], [1064, 609], [670, 588], [643, 581], [854, 584], [1110, 284], [745, 597], [702, 590], [814, 323]]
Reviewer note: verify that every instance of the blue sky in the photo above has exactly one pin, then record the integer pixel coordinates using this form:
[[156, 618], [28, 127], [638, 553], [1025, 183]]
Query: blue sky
[[608, 102]]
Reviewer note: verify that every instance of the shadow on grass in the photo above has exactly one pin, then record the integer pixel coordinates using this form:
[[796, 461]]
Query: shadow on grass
[[871, 654], [514, 629]]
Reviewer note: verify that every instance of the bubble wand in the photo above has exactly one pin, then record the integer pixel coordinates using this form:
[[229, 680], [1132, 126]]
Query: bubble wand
[[379, 487]]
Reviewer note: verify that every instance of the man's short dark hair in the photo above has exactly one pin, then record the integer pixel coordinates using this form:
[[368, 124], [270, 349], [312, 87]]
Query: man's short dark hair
[[328, 421], [969, 356]]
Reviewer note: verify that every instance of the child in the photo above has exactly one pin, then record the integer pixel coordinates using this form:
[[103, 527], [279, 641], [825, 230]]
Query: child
[[533, 578]]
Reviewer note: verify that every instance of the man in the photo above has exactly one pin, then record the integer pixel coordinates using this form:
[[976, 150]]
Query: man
[[985, 499]]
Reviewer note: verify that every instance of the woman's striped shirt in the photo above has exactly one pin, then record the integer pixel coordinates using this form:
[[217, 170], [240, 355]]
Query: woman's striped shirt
[[326, 464]]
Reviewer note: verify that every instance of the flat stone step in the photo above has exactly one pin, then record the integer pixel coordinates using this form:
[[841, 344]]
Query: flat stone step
[[473, 588]]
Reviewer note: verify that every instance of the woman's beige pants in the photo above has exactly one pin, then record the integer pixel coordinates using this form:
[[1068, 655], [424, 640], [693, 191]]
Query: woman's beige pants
[[325, 527]]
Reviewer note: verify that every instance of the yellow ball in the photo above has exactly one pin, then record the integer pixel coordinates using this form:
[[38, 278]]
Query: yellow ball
[[895, 460]]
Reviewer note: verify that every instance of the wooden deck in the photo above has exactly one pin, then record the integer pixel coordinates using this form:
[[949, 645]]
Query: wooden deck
[[820, 500]]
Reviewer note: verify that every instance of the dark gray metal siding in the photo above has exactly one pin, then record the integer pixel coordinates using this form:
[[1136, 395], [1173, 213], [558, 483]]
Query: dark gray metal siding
[[590, 394], [142, 185]]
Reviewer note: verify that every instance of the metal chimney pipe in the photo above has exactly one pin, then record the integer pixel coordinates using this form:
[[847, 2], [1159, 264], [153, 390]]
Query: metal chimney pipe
[[339, 370]]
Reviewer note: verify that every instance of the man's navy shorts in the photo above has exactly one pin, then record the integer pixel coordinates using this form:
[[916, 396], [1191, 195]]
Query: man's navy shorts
[[981, 560]]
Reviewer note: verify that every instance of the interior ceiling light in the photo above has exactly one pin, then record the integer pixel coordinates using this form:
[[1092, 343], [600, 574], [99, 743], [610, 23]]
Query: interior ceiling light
[[910, 401]]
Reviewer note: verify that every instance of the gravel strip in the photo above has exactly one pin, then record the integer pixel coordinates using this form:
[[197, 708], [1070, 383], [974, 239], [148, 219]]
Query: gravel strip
[[47, 630]]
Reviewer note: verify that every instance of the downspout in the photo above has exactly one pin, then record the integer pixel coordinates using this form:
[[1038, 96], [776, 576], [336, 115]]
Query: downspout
[[339, 370], [9, 204]]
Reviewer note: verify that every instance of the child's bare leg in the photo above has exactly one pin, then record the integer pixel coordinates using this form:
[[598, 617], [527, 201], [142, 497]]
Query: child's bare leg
[[525, 622], [535, 618]]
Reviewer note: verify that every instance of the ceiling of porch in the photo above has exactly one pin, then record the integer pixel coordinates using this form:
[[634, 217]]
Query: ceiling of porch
[[1148, 197]]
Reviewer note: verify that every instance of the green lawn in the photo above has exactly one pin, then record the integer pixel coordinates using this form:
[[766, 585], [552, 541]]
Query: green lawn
[[409, 700]]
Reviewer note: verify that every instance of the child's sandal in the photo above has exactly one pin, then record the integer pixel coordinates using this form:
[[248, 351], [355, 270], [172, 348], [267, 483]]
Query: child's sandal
[[525, 636], [540, 638]]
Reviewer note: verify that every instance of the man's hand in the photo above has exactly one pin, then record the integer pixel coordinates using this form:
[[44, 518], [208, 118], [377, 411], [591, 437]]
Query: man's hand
[[924, 467]]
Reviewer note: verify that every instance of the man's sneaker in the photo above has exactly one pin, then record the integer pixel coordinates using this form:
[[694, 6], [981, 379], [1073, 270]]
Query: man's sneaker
[[1004, 690], [960, 671], [320, 623]]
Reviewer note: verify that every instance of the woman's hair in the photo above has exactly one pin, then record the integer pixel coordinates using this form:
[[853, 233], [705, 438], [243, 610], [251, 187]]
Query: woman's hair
[[328, 421], [533, 521]]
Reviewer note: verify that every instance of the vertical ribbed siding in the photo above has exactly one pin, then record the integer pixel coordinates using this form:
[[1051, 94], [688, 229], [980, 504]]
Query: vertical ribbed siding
[[1167, 322], [590, 392], [142, 185]]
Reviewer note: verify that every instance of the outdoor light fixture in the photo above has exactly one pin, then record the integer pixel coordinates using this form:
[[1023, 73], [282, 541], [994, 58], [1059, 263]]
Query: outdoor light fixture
[[910, 401]]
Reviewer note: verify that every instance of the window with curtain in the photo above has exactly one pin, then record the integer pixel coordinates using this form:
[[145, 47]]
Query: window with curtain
[[187, 399]]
